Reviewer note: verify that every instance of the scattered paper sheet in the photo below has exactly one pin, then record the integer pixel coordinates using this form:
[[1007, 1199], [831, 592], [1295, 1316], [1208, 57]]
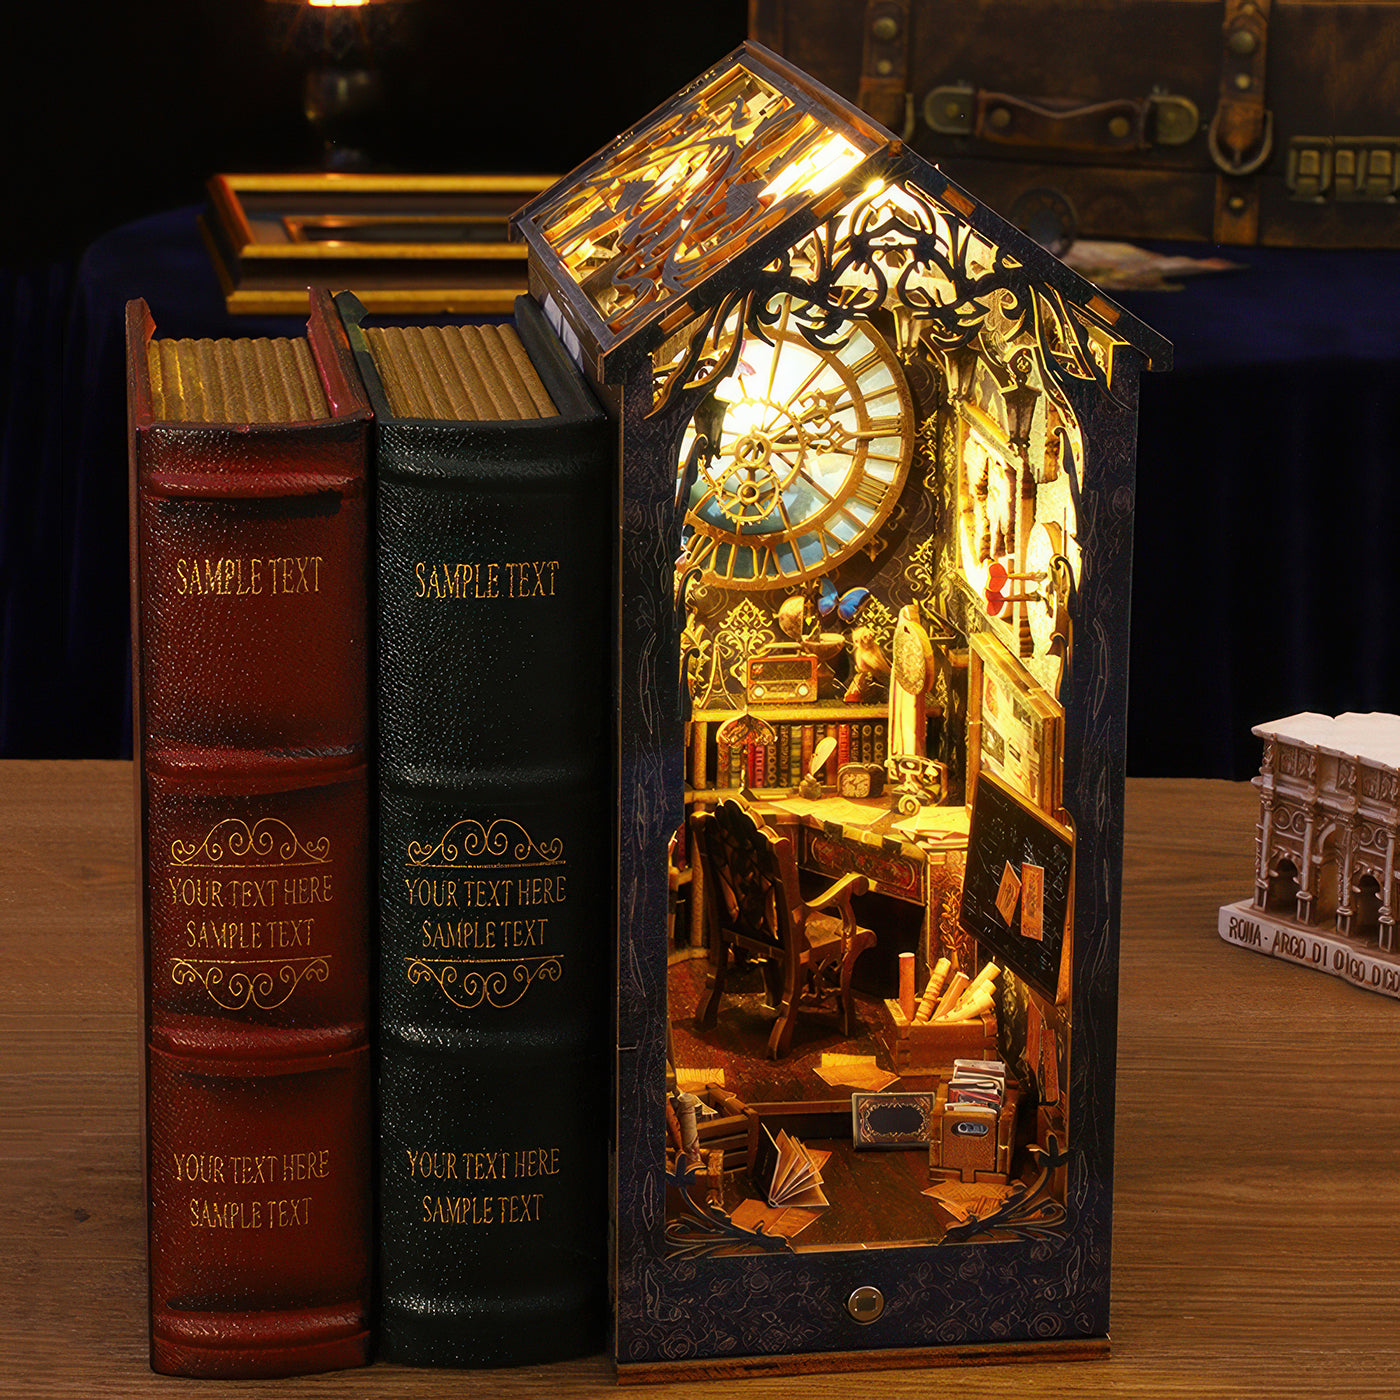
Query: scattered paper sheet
[[1124, 267], [964, 1200], [1008, 894], [693, 1081], [854, 1071], [776, 1220], [1032, 901]]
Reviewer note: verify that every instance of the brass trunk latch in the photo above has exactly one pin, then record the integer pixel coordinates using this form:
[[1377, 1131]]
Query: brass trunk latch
[[1349, 169]]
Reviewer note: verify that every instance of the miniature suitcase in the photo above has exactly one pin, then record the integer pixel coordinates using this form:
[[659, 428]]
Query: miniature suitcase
[[1241, 121]]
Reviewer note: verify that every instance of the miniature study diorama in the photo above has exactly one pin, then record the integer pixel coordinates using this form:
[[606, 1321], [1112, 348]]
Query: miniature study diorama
[[876, 474], [1325, 848]]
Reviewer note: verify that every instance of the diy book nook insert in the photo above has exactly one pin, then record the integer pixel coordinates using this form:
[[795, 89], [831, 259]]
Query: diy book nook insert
[[875, 525]]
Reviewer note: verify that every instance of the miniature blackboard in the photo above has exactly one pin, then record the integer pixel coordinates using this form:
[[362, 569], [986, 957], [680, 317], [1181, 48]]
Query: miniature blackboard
[[1007, 833]]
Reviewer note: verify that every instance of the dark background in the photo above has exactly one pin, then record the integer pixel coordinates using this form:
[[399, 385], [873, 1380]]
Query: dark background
[[117, 110], [1266, 503]]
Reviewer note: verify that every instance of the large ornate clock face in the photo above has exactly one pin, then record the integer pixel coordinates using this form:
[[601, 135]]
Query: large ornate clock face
[[804, 457]]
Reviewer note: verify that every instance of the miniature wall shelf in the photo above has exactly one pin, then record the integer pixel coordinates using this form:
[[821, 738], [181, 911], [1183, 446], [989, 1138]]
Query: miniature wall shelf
[[877, 441]]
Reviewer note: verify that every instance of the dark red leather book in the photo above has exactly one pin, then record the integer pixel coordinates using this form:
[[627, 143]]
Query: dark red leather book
[[248, 521]]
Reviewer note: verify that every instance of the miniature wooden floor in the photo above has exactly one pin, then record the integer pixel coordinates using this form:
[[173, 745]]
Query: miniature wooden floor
[[875, 1195]]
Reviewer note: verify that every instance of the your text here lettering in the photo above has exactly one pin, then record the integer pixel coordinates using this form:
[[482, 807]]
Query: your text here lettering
[[264, 1172], [488, 1207], [278, 901], [512, 894]]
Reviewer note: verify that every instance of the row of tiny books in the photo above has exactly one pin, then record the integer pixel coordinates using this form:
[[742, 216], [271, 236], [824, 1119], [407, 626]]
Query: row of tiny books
[[782, 762], [981, 1083], [453, 856]]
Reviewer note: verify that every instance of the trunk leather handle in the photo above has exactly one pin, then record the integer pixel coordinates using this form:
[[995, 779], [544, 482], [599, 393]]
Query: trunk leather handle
[[1098, 126], [1241, 134], [1003, 118]]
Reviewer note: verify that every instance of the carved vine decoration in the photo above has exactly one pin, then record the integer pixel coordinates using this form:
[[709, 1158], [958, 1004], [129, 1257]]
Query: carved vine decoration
[[687, 193], [1029, 1212], [702, 352], [698, 1228], [894, 251]]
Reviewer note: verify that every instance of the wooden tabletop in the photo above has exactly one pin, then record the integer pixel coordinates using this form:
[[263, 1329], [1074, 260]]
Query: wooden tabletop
[[1257, 1219]]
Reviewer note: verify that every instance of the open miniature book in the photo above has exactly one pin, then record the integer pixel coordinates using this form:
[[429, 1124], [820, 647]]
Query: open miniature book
[[786, 1173]]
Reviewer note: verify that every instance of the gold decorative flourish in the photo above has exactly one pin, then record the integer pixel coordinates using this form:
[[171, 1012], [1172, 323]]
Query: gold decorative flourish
[[469, 985], [746, 631], [876, 616], [922, 568], [232, 842], [927, 444], [469, 844], [234, 986]]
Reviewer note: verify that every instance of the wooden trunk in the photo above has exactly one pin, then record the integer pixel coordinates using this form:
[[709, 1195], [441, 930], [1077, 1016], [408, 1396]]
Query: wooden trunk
[[1241, 121]]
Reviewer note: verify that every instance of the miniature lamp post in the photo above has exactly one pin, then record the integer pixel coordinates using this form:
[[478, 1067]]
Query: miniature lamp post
[[961, 363], [1020, 404]]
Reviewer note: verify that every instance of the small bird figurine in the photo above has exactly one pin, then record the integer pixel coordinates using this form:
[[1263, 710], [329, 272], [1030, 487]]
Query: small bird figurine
[[871, 666]]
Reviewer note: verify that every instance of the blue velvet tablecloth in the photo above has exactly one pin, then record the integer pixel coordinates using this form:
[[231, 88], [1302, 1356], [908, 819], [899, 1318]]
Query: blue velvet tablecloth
[[65, 686], [1268, 505], [1266, 508]]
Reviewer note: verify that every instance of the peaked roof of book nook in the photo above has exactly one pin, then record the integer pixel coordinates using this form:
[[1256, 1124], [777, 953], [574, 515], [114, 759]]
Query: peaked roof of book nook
[[715, 183]]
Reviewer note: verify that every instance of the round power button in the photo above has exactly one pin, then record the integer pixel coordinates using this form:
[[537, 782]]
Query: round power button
[[866, 1304]]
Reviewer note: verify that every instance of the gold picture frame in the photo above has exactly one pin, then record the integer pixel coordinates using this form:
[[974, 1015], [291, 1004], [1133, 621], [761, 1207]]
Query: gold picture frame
[[404, 244]]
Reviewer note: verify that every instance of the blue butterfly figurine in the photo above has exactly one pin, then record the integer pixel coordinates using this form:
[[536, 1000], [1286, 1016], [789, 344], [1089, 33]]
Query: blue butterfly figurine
[[846, 605]]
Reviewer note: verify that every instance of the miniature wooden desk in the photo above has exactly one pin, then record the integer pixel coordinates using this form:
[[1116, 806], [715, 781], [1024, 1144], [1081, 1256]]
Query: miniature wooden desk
[[917, 859], [1255, 1250]]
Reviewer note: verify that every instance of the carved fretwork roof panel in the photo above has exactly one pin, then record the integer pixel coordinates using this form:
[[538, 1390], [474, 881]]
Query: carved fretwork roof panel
[[691, 206], [691, 191]]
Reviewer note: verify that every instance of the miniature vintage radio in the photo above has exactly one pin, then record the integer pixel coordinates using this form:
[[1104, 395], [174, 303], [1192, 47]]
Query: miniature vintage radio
[[782, 676]]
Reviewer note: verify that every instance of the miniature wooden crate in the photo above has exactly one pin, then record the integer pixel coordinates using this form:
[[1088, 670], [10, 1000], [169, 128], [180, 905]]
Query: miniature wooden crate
[[729, 1133], [955, 1154], [806, 1119], [930, 1047]]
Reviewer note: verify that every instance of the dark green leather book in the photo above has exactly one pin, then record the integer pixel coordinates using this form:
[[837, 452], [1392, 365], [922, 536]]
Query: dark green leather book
[[493, 499]]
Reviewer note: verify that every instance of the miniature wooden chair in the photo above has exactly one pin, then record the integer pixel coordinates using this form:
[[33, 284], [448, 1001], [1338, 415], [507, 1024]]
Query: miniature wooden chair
[[753, 903]]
